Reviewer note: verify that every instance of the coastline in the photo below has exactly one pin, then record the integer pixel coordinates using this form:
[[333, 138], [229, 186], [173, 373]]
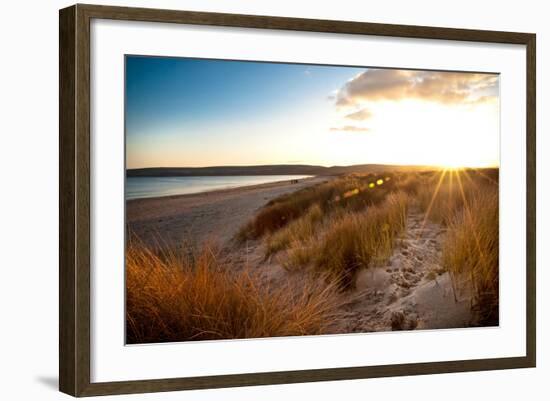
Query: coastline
[[226, 189], [213, 216]]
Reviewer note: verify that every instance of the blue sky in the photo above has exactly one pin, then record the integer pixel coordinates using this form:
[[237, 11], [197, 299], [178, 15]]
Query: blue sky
[[198, 112], [196, 104]]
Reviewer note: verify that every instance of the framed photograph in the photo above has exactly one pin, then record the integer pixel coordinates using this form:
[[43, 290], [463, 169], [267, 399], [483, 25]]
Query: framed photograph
[[250, 200]]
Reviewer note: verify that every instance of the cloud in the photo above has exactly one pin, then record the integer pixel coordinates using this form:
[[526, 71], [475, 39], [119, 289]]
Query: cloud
[[350, 128], [436, 86], [360, 115], [484, 100]]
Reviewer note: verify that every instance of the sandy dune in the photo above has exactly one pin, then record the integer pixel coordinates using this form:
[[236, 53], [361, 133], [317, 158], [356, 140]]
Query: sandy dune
[[411, 291]]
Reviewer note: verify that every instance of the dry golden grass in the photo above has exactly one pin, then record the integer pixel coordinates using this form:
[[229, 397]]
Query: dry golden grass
[[360, 240], [332, 230], [299, 230], [170, 298], [409, 182], [351, 192], [466, 202], [353, 240], [471, 249], [443, 193]]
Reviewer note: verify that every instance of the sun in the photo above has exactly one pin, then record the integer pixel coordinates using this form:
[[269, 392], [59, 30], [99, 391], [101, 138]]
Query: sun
[[450, 165]]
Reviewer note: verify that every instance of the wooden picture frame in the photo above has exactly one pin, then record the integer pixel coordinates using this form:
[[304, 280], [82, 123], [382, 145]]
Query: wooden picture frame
[[74, 203]]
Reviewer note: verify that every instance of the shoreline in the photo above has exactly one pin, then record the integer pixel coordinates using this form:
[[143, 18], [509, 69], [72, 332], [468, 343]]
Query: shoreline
[[229, 189], [212, 216]]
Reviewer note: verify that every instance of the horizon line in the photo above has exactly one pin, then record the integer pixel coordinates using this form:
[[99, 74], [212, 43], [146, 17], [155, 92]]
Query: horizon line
[[315, 165]]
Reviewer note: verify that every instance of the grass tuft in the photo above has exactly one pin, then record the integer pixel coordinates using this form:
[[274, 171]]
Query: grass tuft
[[471, 249], [352, 192], [172, 299], [298, 230], [351, 241], [361, 240]]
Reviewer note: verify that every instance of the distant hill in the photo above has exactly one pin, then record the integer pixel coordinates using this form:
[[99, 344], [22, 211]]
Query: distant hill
[[276, 169]]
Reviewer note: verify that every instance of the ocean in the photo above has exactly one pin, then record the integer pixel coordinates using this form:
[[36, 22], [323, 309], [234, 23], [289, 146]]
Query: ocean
[[152, 187]]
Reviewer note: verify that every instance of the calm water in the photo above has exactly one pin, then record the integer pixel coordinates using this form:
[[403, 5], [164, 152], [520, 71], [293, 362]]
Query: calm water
[[151, 187]]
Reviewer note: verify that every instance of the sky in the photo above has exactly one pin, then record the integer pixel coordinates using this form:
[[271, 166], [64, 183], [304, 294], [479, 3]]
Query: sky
[[183, 112]]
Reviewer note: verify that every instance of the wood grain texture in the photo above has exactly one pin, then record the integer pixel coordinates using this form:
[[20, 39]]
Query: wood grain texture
[[67, 265], [531, 229], [301, 24], [74, 198], [302, 376], [82, 200]]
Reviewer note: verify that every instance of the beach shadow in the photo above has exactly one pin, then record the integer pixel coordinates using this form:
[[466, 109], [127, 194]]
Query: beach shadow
[[49, 381]]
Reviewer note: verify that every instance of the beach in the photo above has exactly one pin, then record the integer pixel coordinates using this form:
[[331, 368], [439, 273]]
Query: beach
[[213, 216], [400, 294], [250, 214]]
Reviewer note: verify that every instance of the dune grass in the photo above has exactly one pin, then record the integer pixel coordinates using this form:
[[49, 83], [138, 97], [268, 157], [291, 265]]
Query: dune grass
[[352, 226], [292, 219], [173, 298], [351, 192], [471, 249], [466, 203], [343, 240], [326, 234], [361, 240], [300, 229], [441, 194], [353, 240]]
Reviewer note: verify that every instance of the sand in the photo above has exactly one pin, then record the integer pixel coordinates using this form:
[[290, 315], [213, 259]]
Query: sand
[[412, 291], [214, 216]]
